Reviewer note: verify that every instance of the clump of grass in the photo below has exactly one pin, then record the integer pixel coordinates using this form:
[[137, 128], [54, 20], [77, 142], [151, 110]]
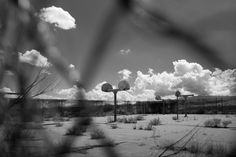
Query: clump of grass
[[97, 134], [58, 124], [227, 116], [57, 118], [76, 130], [140, 127], [148, 127], [225, 123], [131, 120], [167, 144], [139, 117], [127, 120], [174, 118], [215, 150], [114, 126], [155, 121], [194, 147], [212, 123]]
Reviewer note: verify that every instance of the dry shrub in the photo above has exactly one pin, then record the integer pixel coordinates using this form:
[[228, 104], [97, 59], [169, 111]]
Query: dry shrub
[[139, 118], [76, 130], [140, 127], [127, 120], [148, 127], [215, 149], [114, 126], [155, 121], [225, 123], [97, 133], [212, 123], [174, 118], [58, 124]]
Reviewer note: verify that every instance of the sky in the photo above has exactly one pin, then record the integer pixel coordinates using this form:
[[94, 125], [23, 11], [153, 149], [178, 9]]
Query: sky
[[153, 64]]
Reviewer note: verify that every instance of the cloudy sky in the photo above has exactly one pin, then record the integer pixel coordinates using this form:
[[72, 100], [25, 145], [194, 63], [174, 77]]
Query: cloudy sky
[[152, 64]]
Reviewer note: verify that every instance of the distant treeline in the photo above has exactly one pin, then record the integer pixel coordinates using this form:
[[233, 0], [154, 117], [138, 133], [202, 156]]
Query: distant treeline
[[195, 105]]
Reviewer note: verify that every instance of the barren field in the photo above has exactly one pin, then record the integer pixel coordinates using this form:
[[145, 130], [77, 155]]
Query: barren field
[[136, 140]]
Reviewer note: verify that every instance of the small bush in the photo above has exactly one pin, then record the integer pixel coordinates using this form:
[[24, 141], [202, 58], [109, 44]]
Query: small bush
[[148, 127], [57, 117], [114, 126], [131, 120], [155, 121], [227, 116], [225, 123], [209, 123], [122, 120], [217, 122], [140, 127], [97, 134], [58, 124], [76, 130], [139, 118], [174, 118], [212, 123]]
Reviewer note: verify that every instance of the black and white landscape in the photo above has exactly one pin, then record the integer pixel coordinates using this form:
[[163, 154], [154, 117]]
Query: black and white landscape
[[122, 78]]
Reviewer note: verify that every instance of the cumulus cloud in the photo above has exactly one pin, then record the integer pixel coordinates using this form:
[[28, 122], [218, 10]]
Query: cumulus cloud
[[34, 57], [57, 16], [125, 51], [69, 93], [125, 74], [185, 77]]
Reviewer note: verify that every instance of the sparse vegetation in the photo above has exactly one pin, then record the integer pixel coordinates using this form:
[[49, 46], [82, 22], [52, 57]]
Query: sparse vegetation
[[216, 123], [194, 147], [148, 127], [76, 130], [59, 124], [155, 121], [114, 126], [212, 123], [97, 133], [225, 123], [127, 120], [174, 118], [140, 127], [139, 117]]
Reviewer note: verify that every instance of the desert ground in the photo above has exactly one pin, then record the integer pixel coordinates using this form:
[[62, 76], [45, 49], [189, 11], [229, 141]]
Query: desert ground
[[138, 142]]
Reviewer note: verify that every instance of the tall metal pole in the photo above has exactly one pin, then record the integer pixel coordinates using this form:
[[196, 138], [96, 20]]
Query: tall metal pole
[[115, 104], [177, 107]]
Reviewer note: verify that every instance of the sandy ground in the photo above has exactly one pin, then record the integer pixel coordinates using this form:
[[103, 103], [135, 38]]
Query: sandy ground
[[142, 143]]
